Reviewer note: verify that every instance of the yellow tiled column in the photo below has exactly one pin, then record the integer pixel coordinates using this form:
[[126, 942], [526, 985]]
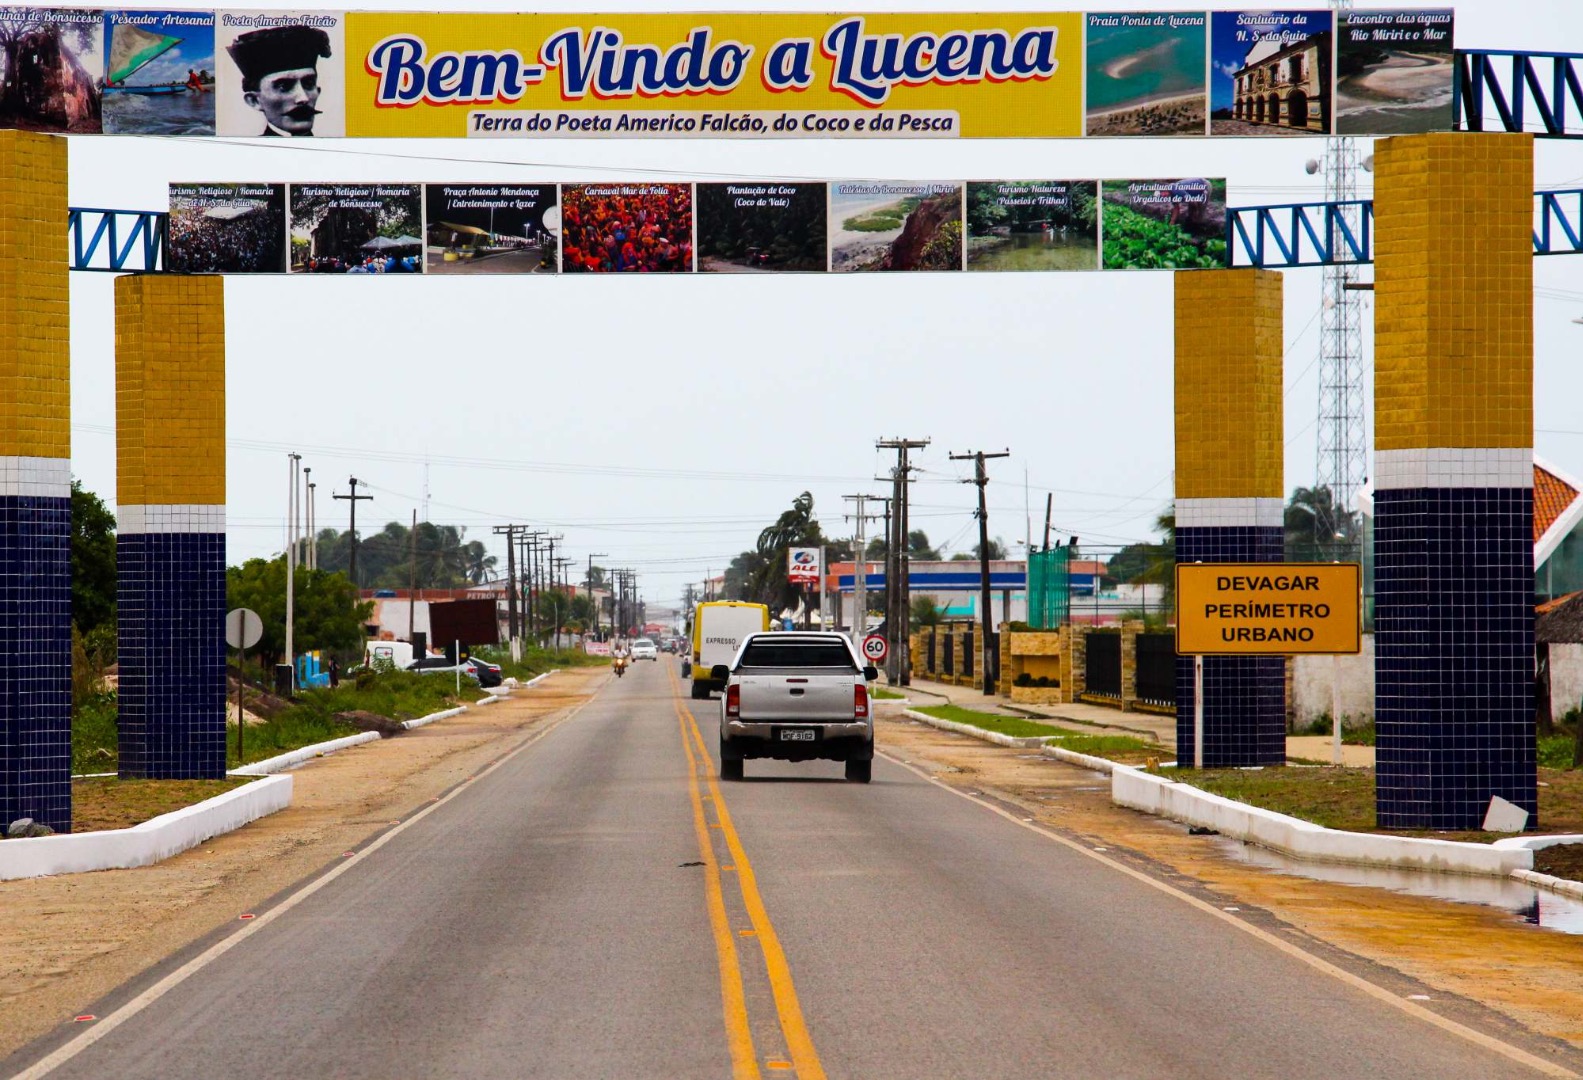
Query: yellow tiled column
[[1229, 480], [1453, 505], [170, 551], [35, 483]]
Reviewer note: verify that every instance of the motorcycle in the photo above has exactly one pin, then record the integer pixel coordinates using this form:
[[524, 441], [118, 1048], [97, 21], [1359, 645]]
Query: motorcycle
[[620, 664]]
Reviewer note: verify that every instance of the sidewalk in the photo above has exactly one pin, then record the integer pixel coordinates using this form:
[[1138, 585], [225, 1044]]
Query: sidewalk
[[1162, 729]]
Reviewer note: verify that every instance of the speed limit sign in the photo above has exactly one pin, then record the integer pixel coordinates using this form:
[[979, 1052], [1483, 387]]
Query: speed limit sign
[[876, 648]]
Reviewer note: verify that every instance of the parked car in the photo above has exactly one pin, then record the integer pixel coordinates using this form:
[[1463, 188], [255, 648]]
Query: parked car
[[796, 697], [644, 649], [480, 672]]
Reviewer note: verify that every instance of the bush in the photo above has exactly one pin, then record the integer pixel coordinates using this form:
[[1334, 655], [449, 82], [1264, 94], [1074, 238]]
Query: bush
[[1042, 681], [1023, 680]]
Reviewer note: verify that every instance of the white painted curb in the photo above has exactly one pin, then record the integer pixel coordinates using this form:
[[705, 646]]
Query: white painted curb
[[1554, 884], [303, 753], [148, 843], [1072, 757], [975, 732], [443, 714], [1140, 790], [1537, 843]]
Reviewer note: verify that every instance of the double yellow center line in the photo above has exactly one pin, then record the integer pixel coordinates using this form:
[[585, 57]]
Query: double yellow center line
[[739, 1035]]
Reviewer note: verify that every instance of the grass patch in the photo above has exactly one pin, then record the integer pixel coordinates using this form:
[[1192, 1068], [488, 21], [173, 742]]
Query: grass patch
[[536, 661], [879, 693], [1123, 748], [1344, 798], [399, 695], [878, 221], [1562, 861], [110, 803], [93, 734]]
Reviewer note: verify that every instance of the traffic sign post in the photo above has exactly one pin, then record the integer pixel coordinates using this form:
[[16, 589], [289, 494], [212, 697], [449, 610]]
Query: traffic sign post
[[243, 628], [876, 649], [1266, 609]]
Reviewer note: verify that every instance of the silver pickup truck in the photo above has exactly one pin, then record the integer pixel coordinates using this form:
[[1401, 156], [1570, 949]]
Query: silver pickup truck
[[796, 697]]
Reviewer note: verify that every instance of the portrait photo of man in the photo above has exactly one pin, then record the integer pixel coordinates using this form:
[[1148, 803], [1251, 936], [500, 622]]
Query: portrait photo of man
[[285, 77]]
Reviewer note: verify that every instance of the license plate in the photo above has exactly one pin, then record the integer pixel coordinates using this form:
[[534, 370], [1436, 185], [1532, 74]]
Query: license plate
[[798, 735]]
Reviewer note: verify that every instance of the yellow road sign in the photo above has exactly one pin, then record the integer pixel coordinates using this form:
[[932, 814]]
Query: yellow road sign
[[1271, 609]]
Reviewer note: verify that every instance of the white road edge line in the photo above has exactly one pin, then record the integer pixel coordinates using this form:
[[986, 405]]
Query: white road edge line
[[1357, 982], [105, 1025]]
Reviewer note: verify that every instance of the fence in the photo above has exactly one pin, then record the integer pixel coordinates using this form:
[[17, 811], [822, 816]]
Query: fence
[[1102, 664], [1049, 588], [1156, 672]]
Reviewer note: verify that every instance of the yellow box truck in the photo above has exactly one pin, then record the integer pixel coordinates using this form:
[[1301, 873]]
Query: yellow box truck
[[718, 628]]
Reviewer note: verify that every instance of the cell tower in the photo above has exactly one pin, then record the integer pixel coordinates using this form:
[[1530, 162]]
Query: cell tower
[[1342, 443]]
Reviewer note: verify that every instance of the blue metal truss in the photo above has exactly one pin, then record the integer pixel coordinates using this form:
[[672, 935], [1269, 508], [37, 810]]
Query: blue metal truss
[[1511, 82], [1339, 234], [117, 241]]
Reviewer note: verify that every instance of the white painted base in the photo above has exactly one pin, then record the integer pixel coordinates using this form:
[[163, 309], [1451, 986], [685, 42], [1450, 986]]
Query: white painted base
[[978, 733], [148, 843]]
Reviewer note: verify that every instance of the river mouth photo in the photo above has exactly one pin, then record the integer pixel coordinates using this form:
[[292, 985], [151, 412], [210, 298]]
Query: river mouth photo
[[1033, 225], [1146, 74], [1393, 73], [895, 226]]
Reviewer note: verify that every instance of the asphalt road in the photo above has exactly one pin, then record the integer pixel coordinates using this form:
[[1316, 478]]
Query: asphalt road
[[585, 909]]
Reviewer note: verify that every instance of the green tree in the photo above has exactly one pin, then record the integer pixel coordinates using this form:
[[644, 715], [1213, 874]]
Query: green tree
[[328, 614], [925, 612], [797, 527], [554, 608], [918, 547], [92, 563], [1317, 530]]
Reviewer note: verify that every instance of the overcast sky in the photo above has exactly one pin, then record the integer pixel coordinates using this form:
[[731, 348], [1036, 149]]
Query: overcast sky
[[665, 420]]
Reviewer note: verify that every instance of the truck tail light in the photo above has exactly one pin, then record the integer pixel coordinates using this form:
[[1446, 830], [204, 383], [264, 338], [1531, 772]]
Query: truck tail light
[[733, 700], [860, 702]]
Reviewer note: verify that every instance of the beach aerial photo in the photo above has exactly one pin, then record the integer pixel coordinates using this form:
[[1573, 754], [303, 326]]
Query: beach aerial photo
[[1146, 74], [1394, 72]]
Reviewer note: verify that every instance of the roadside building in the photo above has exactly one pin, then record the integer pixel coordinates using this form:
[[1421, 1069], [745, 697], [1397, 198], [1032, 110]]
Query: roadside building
[[1285, 85]]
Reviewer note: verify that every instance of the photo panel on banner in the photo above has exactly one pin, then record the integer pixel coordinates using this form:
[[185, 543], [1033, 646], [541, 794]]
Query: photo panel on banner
[[1270, 72], [280, 73], [761, 227], [1394, 71], [159, 72], [492, 228], [895, 225], [356, 228], [227, 228], [1033, 225], [1146, 74], [52, 69], [627, 228], [1164, 224]]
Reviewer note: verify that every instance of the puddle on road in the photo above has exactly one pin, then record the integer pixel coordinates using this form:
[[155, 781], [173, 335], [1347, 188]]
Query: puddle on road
[[1534, 906]]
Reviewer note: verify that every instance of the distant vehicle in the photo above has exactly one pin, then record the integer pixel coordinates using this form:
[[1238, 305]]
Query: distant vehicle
[[397, 653], [477, 670], [758, 256], [796, 697], [644, 649], [719, 626]]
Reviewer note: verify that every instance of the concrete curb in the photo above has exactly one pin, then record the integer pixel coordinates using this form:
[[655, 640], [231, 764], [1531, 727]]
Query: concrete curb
[[1554, 884], [152, 841], [1140, 790], [1072, 757], [303, 753], [975, 732], [443, 714]]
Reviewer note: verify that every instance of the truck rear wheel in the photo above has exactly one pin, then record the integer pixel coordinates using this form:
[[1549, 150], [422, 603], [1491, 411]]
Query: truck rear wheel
[[730, 768], [860, 771], [700, 691]]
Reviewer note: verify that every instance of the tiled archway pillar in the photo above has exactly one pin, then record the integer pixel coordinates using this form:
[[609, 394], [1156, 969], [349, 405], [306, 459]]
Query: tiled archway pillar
[[170, 547], [35, 483], [1229, 475], [1453, 504]]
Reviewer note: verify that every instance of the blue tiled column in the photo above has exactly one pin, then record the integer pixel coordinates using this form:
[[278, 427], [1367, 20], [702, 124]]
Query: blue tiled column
[[35, 484], [1228, 493], [170, 547]]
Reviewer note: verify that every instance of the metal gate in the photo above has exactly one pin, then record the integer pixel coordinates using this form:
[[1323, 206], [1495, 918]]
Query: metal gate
[[967, 653], [1156, 672], [1103, 664]]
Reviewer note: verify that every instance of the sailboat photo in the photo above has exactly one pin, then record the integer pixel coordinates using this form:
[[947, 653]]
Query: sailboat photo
[[159, 73]]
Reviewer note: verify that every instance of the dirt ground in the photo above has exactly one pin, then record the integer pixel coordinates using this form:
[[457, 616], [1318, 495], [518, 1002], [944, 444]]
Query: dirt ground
[[66, 941], [1531, 975]]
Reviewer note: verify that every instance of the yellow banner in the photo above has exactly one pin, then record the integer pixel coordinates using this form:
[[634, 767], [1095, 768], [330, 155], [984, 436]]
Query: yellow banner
[[714, 75], [1267, 609]]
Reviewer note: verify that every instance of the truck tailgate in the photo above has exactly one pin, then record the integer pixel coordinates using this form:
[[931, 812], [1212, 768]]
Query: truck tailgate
[[803, 696]]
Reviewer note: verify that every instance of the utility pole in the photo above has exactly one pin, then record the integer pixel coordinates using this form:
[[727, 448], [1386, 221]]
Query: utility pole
[[307, 518], [990, 648], [354, 498], [530, 542], [313, 527], [412, 584], [900, 639], [860, 566], [513, 624], [592, 555], [292, 460], [563, 564]]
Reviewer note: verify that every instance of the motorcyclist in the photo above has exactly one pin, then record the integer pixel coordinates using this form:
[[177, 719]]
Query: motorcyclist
[[620, 657]]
